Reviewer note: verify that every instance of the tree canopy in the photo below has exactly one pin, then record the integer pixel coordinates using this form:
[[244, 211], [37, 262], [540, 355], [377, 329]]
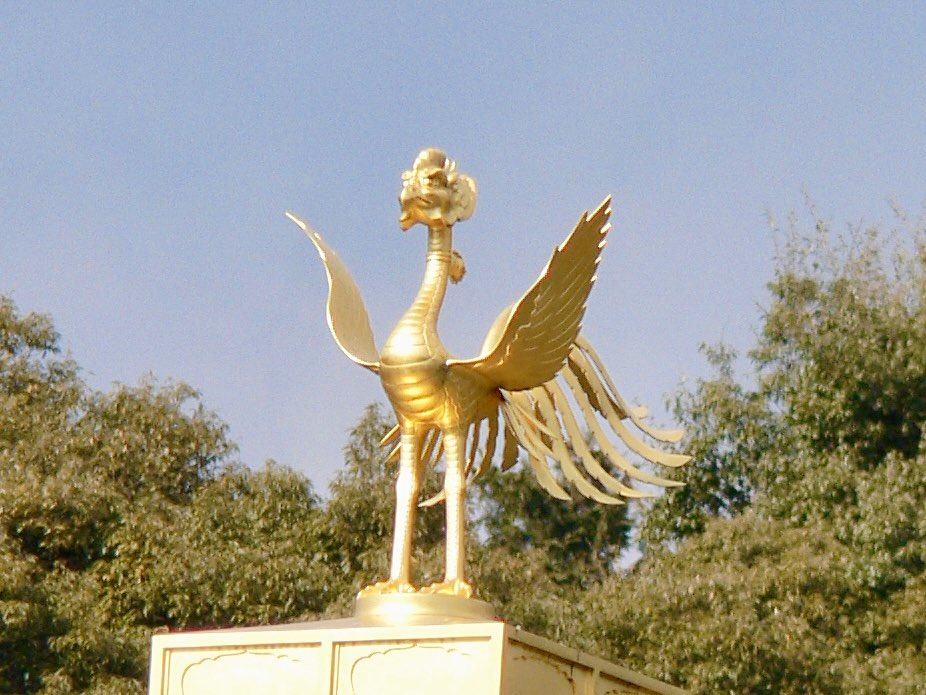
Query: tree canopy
[[793, 561]]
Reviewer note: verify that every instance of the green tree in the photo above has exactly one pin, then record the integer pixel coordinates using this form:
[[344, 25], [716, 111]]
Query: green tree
[[794, 559], [243, 551], [839, 370], [729, 428], [73, 465], [580, 541], [747, 606], [122, 511]]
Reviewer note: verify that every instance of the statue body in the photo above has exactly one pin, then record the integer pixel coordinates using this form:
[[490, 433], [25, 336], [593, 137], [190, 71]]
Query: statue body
[[510, 390]]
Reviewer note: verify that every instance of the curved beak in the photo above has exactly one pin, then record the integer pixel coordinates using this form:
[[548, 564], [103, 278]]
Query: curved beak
[[406, 221]]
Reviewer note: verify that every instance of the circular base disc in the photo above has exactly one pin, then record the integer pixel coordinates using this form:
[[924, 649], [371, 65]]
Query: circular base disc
[[416, 609]]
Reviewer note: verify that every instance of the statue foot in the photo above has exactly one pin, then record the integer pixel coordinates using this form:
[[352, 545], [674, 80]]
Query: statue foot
[[390, 586], [453, 587]]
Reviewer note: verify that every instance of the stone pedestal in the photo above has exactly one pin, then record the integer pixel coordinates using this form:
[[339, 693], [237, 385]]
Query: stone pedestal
[[347, 657]]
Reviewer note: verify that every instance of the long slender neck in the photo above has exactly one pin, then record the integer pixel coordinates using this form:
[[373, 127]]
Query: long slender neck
[[415, 338], [426, 307]]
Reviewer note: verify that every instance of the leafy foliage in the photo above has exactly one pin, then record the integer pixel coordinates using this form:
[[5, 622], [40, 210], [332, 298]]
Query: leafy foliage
[[826, 445], [749, 605], [243, 551], [729, 428], [580, 541]]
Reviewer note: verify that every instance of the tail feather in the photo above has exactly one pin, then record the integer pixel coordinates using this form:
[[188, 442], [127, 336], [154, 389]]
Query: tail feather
[[588, 459], [540, 418], [636, 415], [610, 451], [564, 457], [491, 443], [476, 431], [430, 443], [391, 436], [537, 453], [510, 450], [614, 420]]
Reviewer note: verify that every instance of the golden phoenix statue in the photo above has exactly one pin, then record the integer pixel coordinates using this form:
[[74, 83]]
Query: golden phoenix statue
[[441, 403]]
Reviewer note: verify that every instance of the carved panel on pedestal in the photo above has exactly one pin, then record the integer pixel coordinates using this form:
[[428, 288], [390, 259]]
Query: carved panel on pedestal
[[412, 668], [249, 670]]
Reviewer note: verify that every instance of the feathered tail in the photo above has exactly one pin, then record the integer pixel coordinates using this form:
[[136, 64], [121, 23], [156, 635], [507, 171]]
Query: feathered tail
[[543, 422], [541, 416]]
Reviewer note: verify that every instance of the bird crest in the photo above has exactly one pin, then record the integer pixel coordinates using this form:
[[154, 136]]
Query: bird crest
[[433, 192]]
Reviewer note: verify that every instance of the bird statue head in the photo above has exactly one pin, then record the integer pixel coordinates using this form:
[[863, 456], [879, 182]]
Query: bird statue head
[[434, 193]]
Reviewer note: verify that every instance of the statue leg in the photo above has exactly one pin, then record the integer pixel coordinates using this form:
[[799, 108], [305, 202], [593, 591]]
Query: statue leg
[[407, 487], [455, 490], [406, 505]]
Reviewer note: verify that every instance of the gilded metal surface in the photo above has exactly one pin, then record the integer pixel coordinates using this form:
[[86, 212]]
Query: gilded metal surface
[[418, 608], [513, 386]]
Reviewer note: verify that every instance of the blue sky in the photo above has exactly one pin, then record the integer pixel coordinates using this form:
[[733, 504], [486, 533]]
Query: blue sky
[[149, 151]]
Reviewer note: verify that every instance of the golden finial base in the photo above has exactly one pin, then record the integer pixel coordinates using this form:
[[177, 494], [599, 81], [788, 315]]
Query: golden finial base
[[420, 609]]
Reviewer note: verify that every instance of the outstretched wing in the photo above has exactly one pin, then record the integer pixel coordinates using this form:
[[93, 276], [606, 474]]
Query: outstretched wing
[[347, 315], [541, 327]]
